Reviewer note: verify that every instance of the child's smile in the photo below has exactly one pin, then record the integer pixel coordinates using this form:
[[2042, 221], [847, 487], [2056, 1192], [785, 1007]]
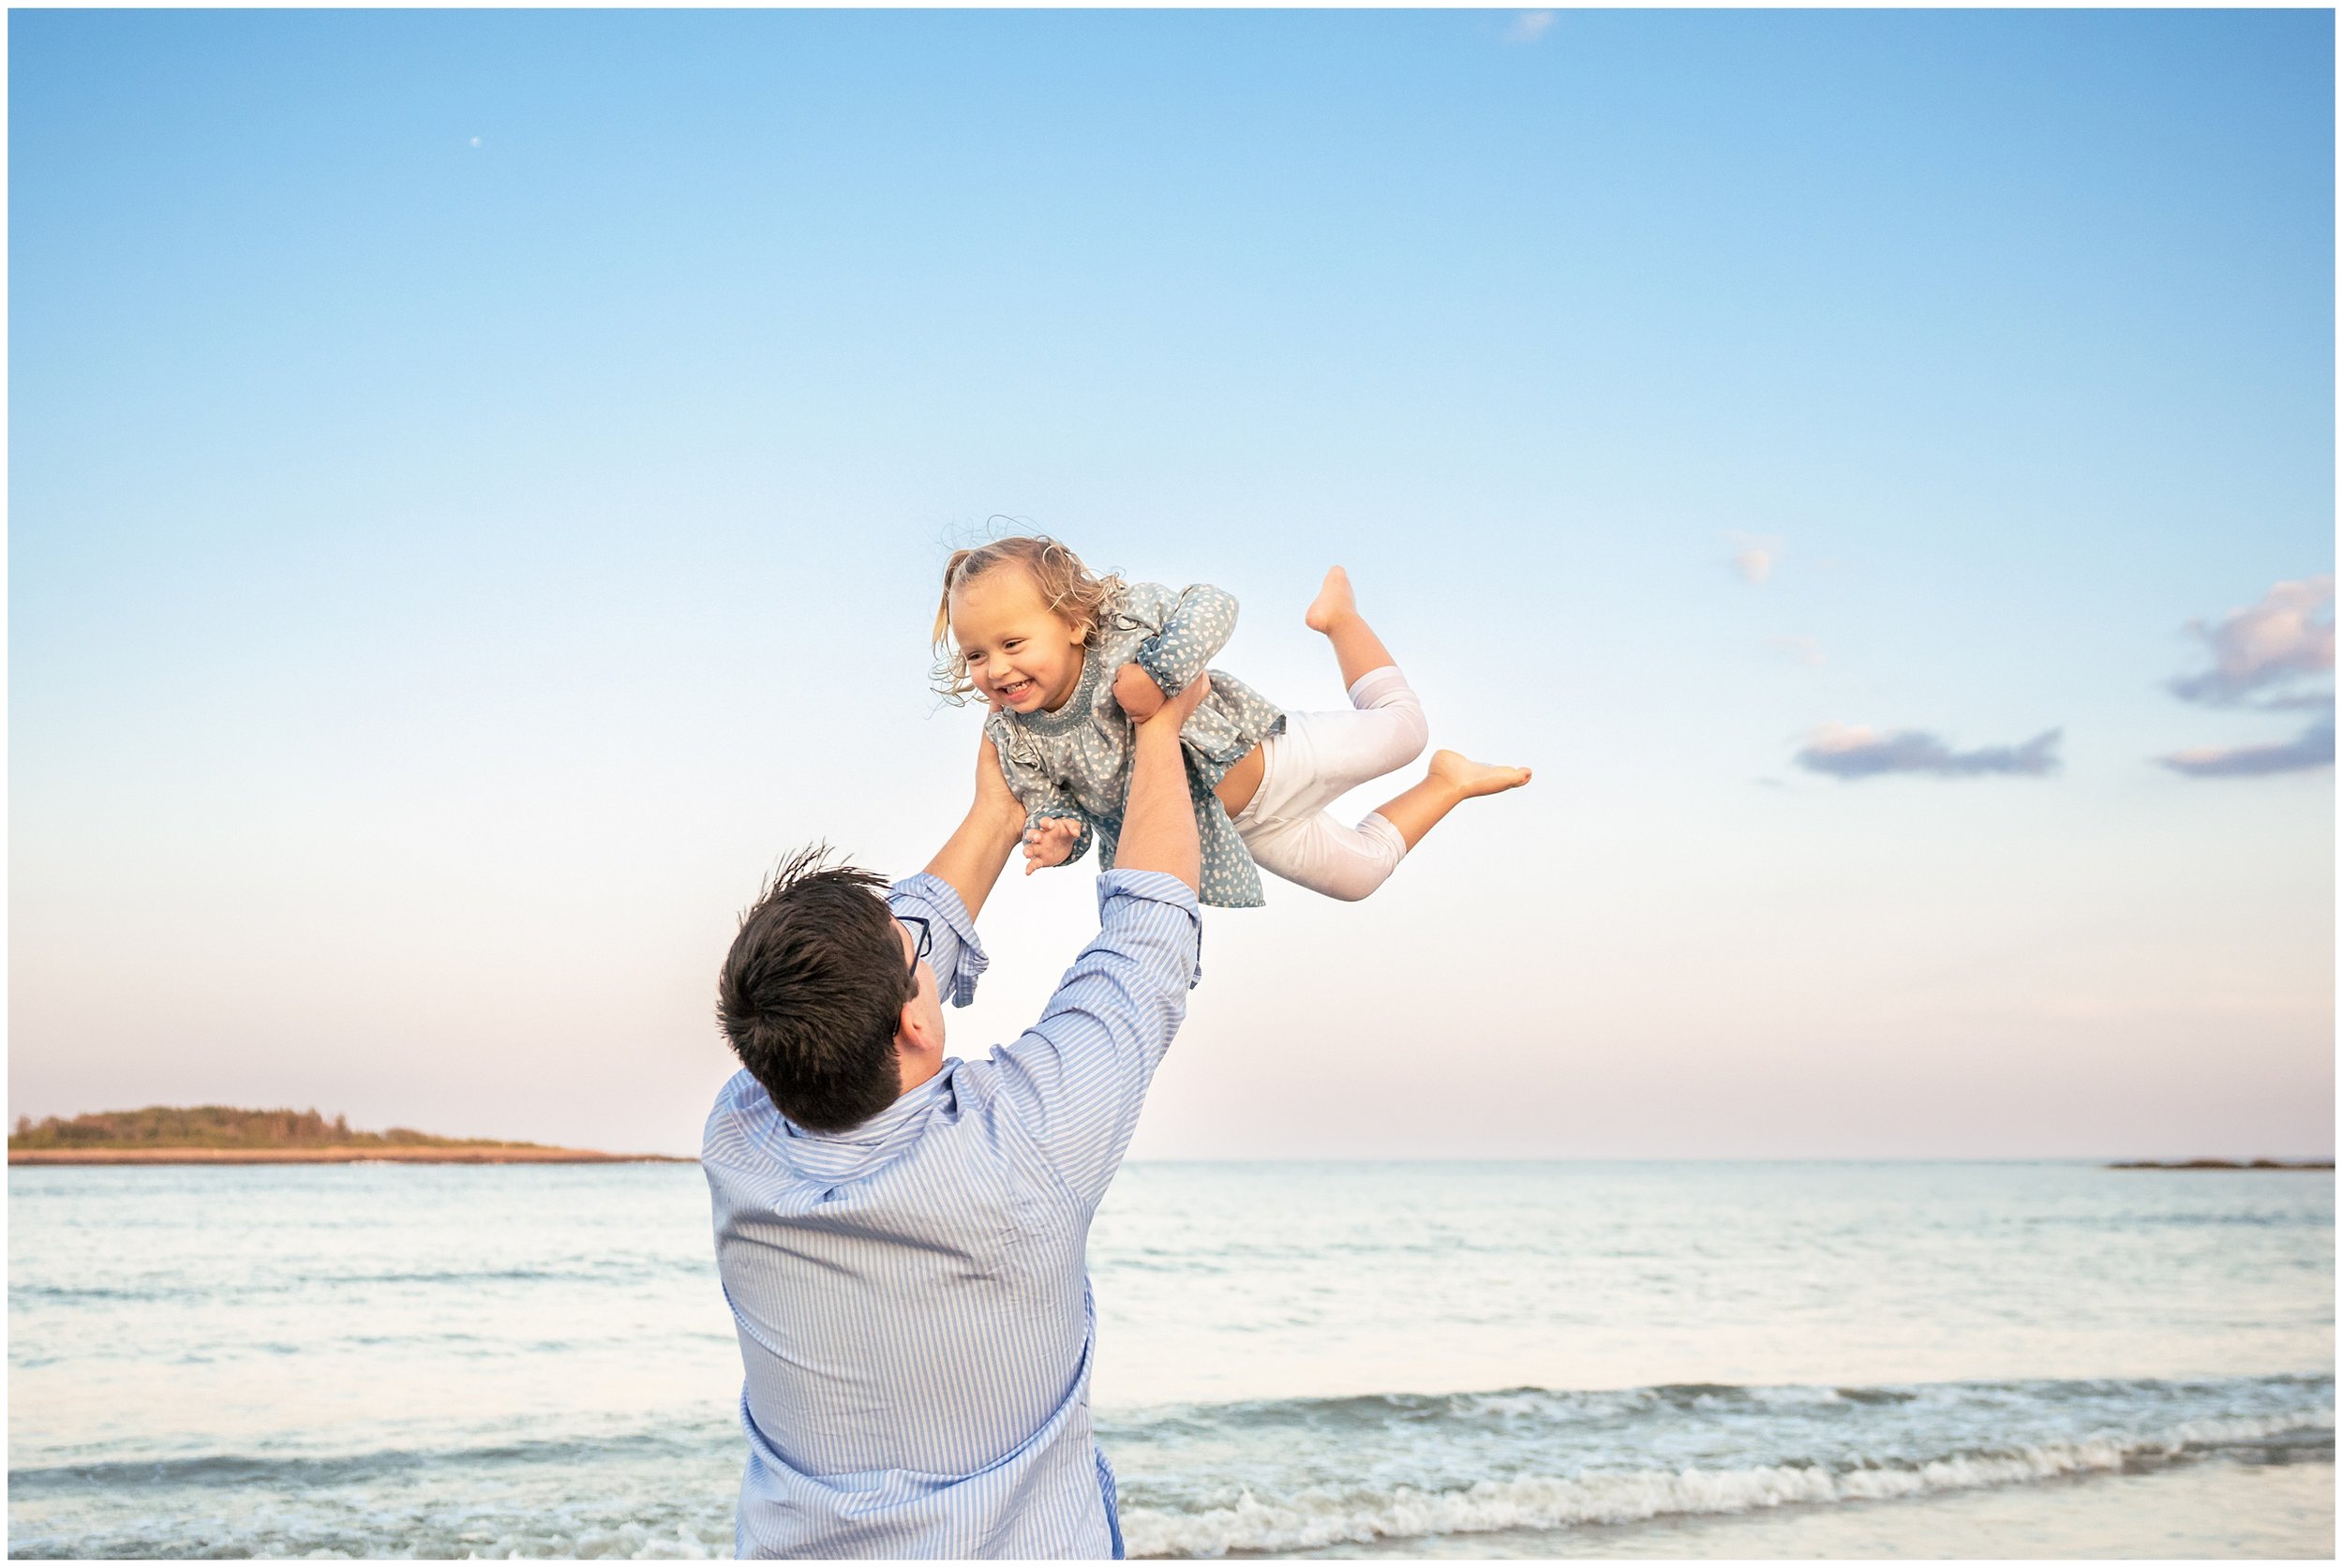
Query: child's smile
[[1019, 652]]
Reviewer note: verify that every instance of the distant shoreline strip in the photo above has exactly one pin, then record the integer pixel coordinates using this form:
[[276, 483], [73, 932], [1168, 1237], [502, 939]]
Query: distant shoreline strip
[[2222, 1165], [458, 1155]]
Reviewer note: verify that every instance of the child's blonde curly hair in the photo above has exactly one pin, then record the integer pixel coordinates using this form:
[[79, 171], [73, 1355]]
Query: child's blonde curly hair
[[1073, 595]]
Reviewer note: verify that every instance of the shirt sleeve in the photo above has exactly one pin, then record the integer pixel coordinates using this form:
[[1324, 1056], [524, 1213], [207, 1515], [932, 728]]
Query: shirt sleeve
[[1078, 1078], [1197, 626], [954, 953]]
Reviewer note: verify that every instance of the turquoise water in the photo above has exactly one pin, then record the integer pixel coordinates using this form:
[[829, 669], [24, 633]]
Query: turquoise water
[[453, 1361]]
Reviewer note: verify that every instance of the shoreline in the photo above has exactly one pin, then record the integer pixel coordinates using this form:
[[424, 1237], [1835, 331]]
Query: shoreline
[[341, 1155], [2211, 1508], [2220, 1165]]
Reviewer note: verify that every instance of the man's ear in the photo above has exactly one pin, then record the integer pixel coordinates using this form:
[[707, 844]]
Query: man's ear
[[913, 1031]]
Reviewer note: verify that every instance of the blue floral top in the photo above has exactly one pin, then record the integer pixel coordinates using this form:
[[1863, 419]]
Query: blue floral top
[[1077, 762]]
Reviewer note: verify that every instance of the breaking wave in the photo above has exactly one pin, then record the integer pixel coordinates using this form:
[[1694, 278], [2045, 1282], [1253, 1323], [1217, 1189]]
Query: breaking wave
[[2296, 1425], [1211, 1479]]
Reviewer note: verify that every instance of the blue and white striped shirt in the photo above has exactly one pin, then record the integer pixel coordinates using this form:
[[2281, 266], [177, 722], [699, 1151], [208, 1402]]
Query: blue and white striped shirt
[[911, 1297]]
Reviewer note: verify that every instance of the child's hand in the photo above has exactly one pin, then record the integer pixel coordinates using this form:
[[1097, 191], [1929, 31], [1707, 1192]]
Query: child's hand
[[1136, 691], [1050, 841]]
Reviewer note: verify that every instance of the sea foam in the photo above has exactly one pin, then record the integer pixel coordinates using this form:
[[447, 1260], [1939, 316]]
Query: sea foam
[[1312, 1520]]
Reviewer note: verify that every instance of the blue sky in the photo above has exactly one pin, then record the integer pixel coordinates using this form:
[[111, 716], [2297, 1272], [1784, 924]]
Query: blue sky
[[477, 482]]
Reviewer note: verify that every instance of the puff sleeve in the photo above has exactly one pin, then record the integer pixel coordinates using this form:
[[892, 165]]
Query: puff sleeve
[[1194, 626]]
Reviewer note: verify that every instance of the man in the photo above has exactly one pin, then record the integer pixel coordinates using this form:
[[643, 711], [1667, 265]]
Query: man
[[900, 1235]]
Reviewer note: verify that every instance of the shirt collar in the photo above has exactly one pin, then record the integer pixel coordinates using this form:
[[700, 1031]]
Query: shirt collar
[[883, 1126]]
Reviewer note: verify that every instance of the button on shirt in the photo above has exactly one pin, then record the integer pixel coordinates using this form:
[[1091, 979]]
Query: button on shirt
[[911, 1297]]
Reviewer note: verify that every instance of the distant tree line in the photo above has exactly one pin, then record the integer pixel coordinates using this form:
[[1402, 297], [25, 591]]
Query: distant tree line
[[218, 1127]]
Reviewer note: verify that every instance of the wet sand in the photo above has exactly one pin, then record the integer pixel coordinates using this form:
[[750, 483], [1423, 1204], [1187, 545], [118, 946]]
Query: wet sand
[[2214, 1508]]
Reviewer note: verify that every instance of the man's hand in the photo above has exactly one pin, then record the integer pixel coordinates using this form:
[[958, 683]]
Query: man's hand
[[973, 858], [1174, 711], [1159, 818], [1136, 691], [993, 799], [1049, 841]]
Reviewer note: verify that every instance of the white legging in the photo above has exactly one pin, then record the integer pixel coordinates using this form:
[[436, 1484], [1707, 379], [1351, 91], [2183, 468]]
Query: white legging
[[1318, 757]]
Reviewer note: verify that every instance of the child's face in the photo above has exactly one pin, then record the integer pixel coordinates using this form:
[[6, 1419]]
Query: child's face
[[1019, 651]]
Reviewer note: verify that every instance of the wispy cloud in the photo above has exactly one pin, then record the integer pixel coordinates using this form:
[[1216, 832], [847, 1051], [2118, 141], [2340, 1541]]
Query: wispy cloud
[[2269, 656], [1753, 556], [1806, 650], [1859, 751], [2270, 648], [1528, 26], [2313, 748]]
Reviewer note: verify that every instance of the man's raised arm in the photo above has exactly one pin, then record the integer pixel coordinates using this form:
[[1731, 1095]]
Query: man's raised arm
[[1078, 1077], [969, 864], [1159, 815], [971, 860]]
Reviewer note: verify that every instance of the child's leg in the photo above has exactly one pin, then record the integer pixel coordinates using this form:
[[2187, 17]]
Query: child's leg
[[1321, 854], [1384, 728], [1381, 731], [1336, 613], [1314, 850], [1452, 779], [1322, 756], [1318, 756]]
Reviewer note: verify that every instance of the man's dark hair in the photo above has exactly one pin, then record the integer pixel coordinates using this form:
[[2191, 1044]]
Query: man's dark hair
[[813, 990]]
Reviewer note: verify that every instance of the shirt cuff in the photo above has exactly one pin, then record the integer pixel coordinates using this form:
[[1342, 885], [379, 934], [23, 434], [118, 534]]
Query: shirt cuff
[[1155, 886], [1149, 656], [933, 897]]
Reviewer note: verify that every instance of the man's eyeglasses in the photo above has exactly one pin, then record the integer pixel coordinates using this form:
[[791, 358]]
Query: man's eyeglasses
[[920, 950]]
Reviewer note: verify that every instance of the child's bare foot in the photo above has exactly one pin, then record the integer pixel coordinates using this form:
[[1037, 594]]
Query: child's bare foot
[[1452, 777], [1468, 778], [1333, 604]]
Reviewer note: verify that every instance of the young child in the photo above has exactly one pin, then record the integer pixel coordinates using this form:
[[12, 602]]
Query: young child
[[1066, 659]]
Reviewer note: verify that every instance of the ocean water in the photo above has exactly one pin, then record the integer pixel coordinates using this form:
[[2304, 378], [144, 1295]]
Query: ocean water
[[1433, 1360]]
